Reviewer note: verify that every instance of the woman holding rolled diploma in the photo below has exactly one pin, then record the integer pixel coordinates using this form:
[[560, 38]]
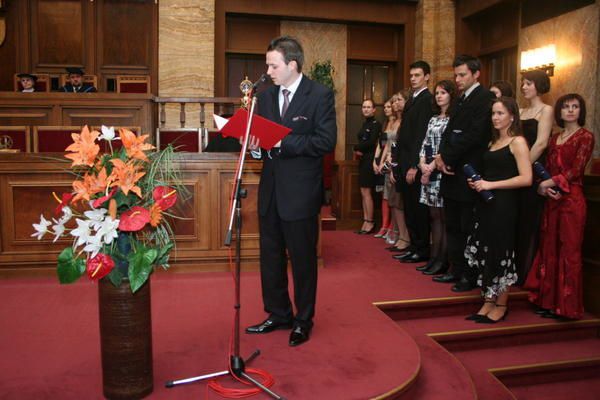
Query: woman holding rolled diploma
[[491, 246], [555, 279]]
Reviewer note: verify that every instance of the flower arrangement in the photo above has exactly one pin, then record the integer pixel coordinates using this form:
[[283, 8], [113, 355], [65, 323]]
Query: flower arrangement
[[118, 202]]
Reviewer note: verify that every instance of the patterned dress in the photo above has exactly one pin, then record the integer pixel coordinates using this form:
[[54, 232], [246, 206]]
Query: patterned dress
[[491, 246], [555, 279], [430, 193]]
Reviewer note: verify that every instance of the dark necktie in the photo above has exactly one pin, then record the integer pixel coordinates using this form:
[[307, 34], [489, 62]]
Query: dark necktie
[[286, 102], [462, 98]]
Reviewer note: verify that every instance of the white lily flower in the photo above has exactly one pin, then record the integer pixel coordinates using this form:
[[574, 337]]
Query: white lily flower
[[108, 134], [58, 228], [93, 245], [67, 215], [108, 229], [41, 228], [96, 217], [82, 232]]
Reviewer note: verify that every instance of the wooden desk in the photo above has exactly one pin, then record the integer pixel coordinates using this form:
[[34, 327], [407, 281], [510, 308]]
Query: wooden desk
[[28, 180], [78, 109]]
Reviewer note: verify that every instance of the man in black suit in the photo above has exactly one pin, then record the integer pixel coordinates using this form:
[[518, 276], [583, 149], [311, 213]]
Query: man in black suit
[[415, 118], [289, 194], [464, 141], [76, 84]]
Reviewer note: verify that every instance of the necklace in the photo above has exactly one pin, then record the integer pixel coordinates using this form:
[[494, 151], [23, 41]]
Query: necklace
[[565, 135]]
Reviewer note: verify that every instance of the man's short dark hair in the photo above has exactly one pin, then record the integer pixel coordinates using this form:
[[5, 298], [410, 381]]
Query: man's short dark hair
[[290, 48], [561, 102], [540, 80], [421, 64], [472, 63]]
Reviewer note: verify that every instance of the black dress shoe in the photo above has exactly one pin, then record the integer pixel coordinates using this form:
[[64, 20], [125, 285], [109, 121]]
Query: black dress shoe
[[437, 268], [463, 286], [446, 278], [426, 266], [415, 258], [268, 325], [402, 256], [475, 317], [299, 335]]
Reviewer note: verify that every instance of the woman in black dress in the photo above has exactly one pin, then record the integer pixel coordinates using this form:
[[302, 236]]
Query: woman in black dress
[[536, 121], [365, 151], [491, 246]]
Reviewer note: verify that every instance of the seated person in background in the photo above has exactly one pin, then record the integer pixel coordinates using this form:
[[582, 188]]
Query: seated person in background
[[76, 84], [221, 144], [28, 82]]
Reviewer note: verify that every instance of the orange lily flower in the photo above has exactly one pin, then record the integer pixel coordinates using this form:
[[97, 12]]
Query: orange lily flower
[[125, 176], [84, 149], [134, 145]]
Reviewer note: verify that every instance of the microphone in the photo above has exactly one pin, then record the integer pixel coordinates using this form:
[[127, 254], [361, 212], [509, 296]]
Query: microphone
[[541, 172], [471, 173], [260, 81]]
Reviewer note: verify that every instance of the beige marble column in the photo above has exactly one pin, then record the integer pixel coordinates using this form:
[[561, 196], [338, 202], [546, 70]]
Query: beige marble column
[[434, 38], [186, 47], [323, 42]]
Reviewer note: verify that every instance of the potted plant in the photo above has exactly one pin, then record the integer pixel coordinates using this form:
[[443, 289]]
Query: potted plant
[[322, 72], [115, 216]]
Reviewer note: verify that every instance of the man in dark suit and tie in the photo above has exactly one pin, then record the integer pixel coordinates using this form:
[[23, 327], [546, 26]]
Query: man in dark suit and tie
[[289, 194], [464, 141], [76, 83], [415, 118]]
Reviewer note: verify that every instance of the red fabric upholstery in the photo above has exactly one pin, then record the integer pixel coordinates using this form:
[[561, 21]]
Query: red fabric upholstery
[[181, 140], [19, 138], [133, 87], [51, 140]]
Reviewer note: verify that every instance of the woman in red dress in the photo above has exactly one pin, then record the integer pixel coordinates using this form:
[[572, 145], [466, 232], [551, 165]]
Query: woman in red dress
[[555, 280]]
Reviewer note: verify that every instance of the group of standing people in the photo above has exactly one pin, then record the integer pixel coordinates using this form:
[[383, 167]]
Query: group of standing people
[[460, 192]]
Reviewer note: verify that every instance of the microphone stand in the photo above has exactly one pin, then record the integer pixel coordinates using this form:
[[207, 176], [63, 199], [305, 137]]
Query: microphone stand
[[236, 362]]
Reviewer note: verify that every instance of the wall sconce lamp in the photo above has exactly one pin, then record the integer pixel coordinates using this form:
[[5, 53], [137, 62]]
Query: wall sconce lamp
[[542, 58]]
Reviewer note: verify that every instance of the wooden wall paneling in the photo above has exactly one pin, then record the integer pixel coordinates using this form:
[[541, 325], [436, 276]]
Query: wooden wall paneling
[[373, 42], [249, 35], [118, 22], [60, 34], [33, 115], [8, 50], [226, 180], [131, 115]]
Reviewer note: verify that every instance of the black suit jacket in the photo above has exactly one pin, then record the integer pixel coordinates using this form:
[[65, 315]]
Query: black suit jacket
[[415, 118], [85, 88], [294, 176], [464, 141]]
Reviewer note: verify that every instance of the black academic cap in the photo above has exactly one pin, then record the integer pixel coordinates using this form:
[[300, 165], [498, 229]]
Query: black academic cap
[[74, 70], [30, 76]]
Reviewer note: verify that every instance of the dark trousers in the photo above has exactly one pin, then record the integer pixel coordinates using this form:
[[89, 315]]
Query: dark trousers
[[299, 238], [416, 216], [459, 224]]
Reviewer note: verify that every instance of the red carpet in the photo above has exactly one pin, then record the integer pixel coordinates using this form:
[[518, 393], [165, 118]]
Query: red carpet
[[50, 346]]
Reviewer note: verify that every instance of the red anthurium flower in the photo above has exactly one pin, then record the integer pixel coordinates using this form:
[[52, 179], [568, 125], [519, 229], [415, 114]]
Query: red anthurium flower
[[164, 196], [134, 219], [99, 266], [98, 202], [64, 200]]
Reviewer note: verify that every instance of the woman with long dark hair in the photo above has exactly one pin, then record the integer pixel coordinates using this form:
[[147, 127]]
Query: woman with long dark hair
[[444, 96], [555, 280], [491, 246]]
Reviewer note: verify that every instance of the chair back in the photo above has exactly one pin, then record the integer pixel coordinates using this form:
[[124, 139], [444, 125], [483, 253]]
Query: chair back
[[14, 138], [53, 139], [182, 139], [133, 84]]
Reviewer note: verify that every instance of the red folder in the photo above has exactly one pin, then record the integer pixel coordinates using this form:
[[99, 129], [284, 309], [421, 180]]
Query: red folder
[[267, 131]]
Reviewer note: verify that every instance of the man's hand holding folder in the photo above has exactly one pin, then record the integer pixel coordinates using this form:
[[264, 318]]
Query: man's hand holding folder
[[264, 133]]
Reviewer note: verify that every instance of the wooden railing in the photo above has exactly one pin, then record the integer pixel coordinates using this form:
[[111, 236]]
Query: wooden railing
[[222, 105]]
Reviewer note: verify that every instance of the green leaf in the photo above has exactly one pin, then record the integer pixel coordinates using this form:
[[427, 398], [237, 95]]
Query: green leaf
[[115, 277], [140, 266], [69, 268], [163, 255]]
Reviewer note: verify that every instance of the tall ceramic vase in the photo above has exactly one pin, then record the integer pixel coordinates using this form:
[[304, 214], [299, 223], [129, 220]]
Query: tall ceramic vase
[[126, 340]]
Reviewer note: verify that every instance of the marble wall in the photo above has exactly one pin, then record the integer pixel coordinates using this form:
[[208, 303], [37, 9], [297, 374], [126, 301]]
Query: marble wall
[[186, 47], [576, 36], [434, 37], [323, 42]]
